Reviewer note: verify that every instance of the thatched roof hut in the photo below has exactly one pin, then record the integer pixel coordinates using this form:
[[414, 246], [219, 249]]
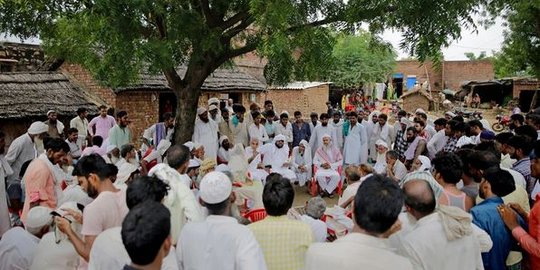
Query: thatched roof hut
[[32, 94], [222, 80]]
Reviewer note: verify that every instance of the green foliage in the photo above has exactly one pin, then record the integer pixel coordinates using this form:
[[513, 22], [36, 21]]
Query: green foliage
[[360, 59], [473, 57], [520, 53]]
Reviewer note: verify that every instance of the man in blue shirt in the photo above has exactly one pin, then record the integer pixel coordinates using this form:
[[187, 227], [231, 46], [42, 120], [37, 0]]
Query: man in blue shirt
[[495, 184], [301, 130]]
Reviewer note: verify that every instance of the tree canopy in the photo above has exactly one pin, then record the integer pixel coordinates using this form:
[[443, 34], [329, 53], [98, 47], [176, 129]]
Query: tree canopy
[[116, 39], [472, 57], [359, 59]]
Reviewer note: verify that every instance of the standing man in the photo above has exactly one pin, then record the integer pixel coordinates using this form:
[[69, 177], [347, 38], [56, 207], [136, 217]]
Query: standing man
[[314, 121], [317, 133], [24, 148], [218, 242], [206, 133], [401, 144], [229, 106], [438, 141], [417, 146], [381, 131], [72, 135], [81, 124], [42, 179], [378, 203], [495, 184], [301, 129], [284, 127], [226, 126], [355, 148], [159, 131], [256, 130], [270, 126], [337, 123], [5, 170], [453, 131], [56, 128], [101, 124], [213, 109], [240, 127], [120, 134], [520, 148], [284, 241]]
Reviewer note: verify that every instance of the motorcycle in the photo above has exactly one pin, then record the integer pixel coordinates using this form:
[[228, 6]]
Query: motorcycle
[[503, 122]]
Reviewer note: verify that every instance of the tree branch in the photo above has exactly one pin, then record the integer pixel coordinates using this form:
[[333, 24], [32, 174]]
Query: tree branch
[[228, 35], [249, 47], [207, 13], [240, 16], [172, 77]]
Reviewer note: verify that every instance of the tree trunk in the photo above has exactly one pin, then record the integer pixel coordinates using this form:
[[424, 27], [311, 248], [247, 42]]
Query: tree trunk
[[187, 102]]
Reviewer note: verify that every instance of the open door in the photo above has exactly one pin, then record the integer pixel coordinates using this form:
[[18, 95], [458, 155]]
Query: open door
[[167, 103]]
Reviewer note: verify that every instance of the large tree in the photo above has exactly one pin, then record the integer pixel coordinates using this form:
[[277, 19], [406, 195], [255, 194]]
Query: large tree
[[116, 39]]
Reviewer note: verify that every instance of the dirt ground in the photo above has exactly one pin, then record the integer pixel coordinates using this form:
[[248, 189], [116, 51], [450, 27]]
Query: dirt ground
[[301, 197]]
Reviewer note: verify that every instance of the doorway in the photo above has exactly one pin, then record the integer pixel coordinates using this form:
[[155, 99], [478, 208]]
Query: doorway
[[167, 103]]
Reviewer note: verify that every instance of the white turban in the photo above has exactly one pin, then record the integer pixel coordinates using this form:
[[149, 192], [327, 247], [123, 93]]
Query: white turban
[[381, 143], [38, 127], [190, 145], [222, 138], [37, 218], [201, 110], [280, 137], [50, 111], [213, 100], [212, 107], [215, 187], [193, 163]]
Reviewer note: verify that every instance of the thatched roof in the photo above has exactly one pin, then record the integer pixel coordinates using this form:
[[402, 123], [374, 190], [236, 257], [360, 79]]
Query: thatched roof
[[223, 79], [420, 91], [32, 94]]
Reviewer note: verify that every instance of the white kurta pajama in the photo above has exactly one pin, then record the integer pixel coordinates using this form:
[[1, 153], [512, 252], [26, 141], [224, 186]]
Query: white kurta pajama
[[285, 131], [328, 179], [355, 150], [339, 132], [207, 135], [276, 157], [436, 143], [258, 132], [21, 150], [304, 159], [5, 170], [379, 133]]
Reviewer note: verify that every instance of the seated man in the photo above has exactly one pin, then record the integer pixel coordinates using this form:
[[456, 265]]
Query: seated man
[[96, 148], [352, 176], [302, 162], [277, 156], [315, 208], [223, 154], [378, 203], [328, 162]]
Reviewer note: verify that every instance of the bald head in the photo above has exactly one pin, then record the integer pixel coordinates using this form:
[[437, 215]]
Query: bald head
[[419, 197]]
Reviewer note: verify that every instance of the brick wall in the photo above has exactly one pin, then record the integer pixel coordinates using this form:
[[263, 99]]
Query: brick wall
[[413, 67], [83, 77], [142, 109], [252, 64], [457, 72], [306, 101], [26, 57]]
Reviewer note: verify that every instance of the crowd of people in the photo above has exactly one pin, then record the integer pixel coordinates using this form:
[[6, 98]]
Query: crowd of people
[[415, 194]]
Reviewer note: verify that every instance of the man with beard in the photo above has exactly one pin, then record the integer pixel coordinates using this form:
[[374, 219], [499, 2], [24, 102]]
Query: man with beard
[[401, 144], [120, 134], [373, 119], [223, 152], [381, 131], [337, 123], [355, 150], [206, 133], [277, 155], [226, 126], [239, 126], [213, 108], [317, 133], [327, 161], [106, 211], [72, 135], [25, 148], [520, 148], [438, 140], [56, 128], [159, 131], [495, 184], [417, 146], [454, 130], [43, 178]]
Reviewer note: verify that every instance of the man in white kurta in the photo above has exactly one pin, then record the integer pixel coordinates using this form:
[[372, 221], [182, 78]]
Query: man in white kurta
[[328, 161], [337, 123], [206, 133], [23, 148], [438, 233], [318, 131], [355, 150], [257, 130], [218, 242], [276, 154], [437, 143], [5, 170], [381, 131], [284, 127], [373, 119]]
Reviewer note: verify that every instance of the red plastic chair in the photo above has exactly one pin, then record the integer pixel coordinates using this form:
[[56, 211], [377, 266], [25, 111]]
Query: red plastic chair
[[315, 184], [256, 214]]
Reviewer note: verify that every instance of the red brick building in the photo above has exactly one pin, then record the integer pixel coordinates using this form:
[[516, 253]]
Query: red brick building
[[305, 97]]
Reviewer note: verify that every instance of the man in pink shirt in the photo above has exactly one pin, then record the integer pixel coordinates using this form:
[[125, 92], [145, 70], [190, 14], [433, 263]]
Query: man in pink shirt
[[44, 177], [106, 211], [100, 125], [529, 241]]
